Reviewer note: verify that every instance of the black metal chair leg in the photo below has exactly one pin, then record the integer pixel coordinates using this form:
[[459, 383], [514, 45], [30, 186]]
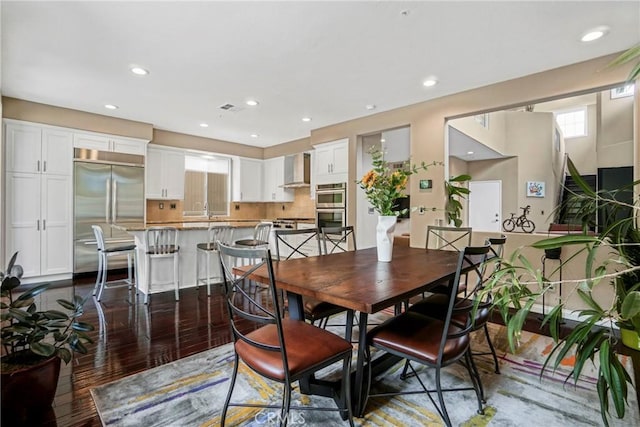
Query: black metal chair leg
[[493, 350], [231, 386], [443, 407], [477, 381]]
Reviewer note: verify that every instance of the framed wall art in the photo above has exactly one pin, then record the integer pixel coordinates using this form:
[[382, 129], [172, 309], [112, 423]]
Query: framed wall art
[[535, 188]]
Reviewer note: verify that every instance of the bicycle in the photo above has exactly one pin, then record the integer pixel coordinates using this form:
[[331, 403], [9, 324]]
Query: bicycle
[[522, 221]]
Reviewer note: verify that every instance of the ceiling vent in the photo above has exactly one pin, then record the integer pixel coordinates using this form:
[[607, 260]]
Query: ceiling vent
[[229, 107]]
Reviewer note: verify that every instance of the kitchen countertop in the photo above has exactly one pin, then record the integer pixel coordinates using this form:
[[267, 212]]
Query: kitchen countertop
[[185, 225]]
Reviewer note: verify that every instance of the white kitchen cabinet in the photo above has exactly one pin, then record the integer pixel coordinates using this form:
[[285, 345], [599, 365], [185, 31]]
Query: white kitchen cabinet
[[274, 179], [332, 162], [103, 142], [39, 222], [37, 149], [247, 180], [164, 174]]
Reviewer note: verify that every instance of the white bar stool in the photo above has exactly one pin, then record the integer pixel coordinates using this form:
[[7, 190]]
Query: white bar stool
[[162, 242], [104, 252]]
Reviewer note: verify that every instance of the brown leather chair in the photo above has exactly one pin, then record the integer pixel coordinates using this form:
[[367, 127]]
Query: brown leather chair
[[305, 243], [281, 349], [432, 341], [435, 305]]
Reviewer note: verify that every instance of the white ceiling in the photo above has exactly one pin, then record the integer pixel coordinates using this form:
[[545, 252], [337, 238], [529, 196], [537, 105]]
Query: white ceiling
[[325, 60]]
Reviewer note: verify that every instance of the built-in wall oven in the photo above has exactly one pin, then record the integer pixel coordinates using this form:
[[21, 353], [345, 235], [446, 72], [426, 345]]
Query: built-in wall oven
[[331, 205]]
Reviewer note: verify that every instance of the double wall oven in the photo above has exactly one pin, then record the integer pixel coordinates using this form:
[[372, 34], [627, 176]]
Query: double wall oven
[[331, 205]]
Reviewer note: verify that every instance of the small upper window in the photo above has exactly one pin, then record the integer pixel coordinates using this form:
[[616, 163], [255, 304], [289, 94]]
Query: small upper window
[[573, 122]]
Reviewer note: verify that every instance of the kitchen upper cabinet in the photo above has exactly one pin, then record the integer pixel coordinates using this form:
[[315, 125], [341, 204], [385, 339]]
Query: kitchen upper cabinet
[[102, 142], [37, 149], [274, 178], [332, 162], [248, 180], [165, 174]]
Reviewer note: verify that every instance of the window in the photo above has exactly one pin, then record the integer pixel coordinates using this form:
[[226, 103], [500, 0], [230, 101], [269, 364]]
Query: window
[[206, 185], [572, 122]]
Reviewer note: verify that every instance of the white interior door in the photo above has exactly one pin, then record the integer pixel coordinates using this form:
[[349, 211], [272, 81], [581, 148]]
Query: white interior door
[[485, 205]]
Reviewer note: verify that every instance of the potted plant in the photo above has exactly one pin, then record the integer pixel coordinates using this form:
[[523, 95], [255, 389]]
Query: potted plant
[[516, 285], [33, 343]]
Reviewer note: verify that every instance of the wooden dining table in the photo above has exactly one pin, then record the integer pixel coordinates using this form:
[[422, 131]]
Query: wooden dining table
[[356, 281]]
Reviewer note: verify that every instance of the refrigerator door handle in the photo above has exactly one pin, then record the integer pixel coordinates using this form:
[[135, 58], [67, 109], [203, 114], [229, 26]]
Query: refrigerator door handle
[[114, 201], [107, 204]]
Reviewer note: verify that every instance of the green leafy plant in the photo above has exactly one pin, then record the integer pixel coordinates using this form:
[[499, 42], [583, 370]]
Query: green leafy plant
[[455, 192], [28, 335], [516, 285]]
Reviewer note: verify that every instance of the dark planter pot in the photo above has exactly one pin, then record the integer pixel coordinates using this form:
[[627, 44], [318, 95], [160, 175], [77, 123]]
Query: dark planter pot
[[28, 392]]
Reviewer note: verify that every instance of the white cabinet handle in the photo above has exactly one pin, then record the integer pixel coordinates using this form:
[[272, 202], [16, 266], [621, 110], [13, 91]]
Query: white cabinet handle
[[44, 224], [44, 168], [38, 167], [38, 224]]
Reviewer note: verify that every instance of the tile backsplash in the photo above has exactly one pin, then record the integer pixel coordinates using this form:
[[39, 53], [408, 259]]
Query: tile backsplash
[[301, 207]]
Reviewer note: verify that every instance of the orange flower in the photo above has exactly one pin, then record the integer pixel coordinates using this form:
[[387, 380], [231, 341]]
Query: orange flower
[[369, 178]]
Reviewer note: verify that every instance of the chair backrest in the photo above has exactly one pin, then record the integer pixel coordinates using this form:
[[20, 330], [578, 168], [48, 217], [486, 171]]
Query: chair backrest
[[497, 245], [247, 301], [97, 231], [219, 233], [262, 230], [297, 243], [161, 240], [448, 238], [336, 239], [458, 320]]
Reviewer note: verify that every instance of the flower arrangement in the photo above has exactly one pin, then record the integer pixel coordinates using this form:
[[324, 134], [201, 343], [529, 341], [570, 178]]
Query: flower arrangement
[[382, 186]]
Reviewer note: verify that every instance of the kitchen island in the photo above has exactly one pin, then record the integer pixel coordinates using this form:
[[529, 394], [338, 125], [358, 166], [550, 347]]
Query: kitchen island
[[191, 233]]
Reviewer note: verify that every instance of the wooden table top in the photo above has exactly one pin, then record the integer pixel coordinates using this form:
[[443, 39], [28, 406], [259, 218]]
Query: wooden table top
[[356, 279]]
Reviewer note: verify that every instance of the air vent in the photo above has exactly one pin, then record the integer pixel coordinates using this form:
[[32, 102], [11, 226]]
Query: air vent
[[229, 107]]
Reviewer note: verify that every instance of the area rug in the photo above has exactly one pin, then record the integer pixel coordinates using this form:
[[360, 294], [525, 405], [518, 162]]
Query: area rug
[[191, 392]]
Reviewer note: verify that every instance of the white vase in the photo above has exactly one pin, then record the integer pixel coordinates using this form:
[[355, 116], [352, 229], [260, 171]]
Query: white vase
[[384, 237]]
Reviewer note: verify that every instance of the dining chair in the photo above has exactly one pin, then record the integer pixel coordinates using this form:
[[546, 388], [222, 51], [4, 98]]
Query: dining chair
[[435, 305], [336, 239], [432, 341], [104, 252], [281, 349], [162, 242], [302, 244], [448, 238], [215, 234]]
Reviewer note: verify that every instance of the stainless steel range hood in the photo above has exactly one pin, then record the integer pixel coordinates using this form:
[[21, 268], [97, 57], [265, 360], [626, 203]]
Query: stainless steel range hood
[[298, 170]]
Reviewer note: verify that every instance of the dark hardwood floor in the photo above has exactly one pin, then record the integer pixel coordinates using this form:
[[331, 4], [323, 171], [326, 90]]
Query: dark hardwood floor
[[131, 337]]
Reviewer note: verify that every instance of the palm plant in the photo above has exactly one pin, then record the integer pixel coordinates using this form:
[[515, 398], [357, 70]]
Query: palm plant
[[516, 285]]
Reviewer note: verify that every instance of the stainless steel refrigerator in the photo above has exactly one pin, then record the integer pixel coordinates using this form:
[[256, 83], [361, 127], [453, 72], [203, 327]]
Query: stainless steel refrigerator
[[105, 192]]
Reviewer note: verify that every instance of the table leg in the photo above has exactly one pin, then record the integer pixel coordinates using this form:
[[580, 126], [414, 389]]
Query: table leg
[[359, 387]]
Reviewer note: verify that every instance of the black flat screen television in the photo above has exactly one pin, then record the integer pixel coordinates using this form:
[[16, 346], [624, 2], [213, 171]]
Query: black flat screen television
[[403, 203]]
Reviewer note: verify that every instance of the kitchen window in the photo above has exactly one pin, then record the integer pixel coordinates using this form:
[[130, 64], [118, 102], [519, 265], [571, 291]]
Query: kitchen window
[[206, 185]]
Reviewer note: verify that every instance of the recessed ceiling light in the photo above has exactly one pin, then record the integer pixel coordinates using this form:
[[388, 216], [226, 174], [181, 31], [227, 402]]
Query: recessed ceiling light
[[204, 125], [110, 107], [431, 81], [252, 102], [306, 119], [370, 107], [469, 152], [254, 135], [594, 34], [139, 71]]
